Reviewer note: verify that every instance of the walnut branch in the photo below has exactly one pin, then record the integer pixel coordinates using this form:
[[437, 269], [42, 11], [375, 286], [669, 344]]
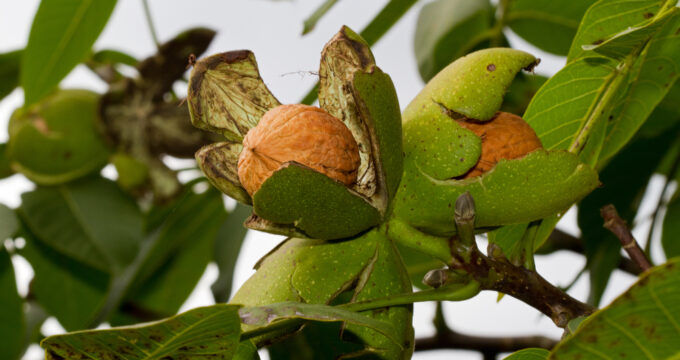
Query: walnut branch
[[500, 275], [614, 223]]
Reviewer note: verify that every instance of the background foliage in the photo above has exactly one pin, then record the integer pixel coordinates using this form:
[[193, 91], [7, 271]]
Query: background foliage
[[132, 249]]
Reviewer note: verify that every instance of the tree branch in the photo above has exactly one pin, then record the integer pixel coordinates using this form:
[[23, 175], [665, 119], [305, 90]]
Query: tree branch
[[500, 275], [614, 223]]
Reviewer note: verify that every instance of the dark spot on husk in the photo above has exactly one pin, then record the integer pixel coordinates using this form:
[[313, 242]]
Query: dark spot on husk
[[491, 67]]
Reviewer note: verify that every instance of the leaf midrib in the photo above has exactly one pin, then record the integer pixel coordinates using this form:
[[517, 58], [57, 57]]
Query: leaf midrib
[[68, 36]]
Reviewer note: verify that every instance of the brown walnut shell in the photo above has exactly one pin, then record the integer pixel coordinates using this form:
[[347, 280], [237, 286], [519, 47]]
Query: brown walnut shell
[[505, 136], [304, 134]]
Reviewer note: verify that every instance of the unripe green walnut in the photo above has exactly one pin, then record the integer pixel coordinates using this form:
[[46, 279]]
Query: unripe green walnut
[[305, 134]]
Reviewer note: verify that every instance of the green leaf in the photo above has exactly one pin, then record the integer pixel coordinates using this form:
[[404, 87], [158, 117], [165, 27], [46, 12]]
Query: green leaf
[[598, 25], [9, 223], [549, 25], [473, 86], [261, 316], [665, 116], [203, 333], [621, 44], [226, 251], [529, 354], [172, 259], [57, 140], [601, 247], [515, 191], [564, 102], [449, 29], [659, 68], [91, 221], [61, 36], [642, 323], [9, 71], [311, 21], [11, 311], [291, 196], [68, 289], [670, 236], [227, 95]]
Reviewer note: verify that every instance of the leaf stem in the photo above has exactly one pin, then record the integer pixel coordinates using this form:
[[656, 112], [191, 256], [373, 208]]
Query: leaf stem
[[149, 21]]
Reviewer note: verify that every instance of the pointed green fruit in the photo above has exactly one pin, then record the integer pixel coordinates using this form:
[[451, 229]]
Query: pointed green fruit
[[227, 95]]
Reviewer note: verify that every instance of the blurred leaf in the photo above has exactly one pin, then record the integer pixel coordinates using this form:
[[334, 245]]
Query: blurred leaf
[[68, 290], [598, 25], [11, 311], [658, 70], [670, 236], [9, 71], [108, 56], [5, 167], [226, 250], [547, 24], [171, 260], [132, 173], [314, 341], [529, 354], [449, 29], [311, 21], [602, 249], [91, 221], [203, 333], [640, 324], [381, 23], [9, 224], [62, 34]]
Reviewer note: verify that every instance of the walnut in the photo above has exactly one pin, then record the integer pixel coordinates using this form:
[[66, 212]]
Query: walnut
[[505, 136], [304, 134]]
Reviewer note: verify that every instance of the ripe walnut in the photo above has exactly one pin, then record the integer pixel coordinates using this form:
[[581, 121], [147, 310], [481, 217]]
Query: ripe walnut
[[505, 136], [305, 134]]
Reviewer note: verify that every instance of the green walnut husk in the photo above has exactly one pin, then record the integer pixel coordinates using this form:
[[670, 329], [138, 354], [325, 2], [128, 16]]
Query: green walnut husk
[[57, 140], [227, 96], [367, 267], [439, 151]]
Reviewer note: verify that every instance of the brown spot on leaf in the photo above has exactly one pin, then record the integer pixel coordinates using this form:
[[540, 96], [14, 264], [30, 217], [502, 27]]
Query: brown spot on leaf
[[598, 42], [648, 15]]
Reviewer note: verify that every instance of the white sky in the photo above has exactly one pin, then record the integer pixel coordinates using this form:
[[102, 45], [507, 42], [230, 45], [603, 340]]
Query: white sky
[[272, 30]]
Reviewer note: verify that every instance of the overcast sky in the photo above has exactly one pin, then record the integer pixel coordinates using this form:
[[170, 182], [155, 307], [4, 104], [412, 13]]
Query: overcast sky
[[271, 29]]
